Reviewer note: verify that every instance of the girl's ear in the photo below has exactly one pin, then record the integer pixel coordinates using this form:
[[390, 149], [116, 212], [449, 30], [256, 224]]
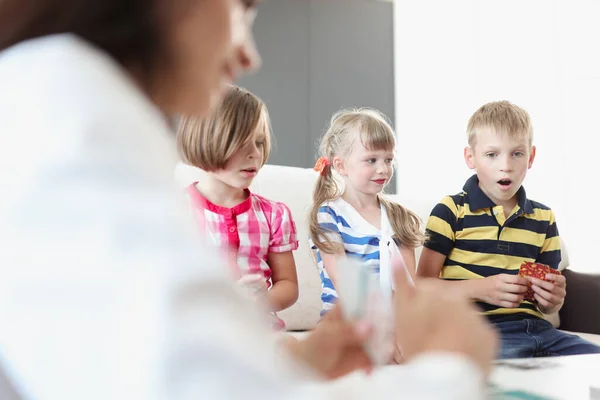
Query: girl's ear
[[338, 164]]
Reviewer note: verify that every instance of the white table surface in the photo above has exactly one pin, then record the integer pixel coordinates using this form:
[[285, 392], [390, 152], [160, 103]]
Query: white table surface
[[568, 377]]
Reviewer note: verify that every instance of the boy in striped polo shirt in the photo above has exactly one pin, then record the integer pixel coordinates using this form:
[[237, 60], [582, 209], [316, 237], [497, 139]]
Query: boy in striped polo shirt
[[479, 238]]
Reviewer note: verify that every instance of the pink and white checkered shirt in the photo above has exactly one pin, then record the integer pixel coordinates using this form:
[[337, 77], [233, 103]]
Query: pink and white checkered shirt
[[248, 232]]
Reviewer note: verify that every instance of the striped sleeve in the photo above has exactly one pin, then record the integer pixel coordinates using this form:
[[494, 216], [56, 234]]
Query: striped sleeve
[[328, 221], [441, 226], [550, 252]]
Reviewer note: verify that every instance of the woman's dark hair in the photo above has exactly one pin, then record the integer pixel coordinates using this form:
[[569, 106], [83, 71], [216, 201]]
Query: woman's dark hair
[[128, 30]]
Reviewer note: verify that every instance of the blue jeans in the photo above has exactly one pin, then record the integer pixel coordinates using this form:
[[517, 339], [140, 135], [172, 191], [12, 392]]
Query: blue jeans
[[538, 338]]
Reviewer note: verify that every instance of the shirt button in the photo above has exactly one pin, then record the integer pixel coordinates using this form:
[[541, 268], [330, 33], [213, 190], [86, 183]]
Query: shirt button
[[232, 229]]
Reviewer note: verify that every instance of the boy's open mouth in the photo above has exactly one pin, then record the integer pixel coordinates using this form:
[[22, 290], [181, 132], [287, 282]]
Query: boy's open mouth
[[504, 182]]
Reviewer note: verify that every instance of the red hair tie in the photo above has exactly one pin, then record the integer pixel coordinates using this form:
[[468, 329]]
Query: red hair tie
[[321, 164]]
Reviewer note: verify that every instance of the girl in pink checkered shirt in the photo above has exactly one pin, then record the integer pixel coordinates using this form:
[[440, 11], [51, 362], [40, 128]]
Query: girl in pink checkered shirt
[[257, 235]]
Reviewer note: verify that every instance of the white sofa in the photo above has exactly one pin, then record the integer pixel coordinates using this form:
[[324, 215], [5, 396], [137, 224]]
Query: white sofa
[[293, 186]]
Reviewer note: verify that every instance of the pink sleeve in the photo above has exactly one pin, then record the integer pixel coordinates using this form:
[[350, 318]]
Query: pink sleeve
[[283, 230]]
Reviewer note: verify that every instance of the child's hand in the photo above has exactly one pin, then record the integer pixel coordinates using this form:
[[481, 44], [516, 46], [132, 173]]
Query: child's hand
[[549, 295], [503, 290]]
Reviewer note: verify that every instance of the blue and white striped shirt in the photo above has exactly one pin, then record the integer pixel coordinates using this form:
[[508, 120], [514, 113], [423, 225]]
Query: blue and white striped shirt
[[359, 237]]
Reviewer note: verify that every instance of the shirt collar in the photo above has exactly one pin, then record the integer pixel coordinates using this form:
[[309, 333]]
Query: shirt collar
[[478, 200], [202, 202]]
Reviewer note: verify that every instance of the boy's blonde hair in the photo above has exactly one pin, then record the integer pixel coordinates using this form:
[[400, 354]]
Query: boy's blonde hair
[[504, 118], [209, 142], [375, 133]]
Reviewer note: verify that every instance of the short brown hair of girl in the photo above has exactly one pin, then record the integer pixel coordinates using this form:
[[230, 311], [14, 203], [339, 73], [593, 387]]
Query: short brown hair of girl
[[209, 142]]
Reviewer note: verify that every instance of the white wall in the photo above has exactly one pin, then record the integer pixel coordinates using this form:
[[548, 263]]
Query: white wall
[[453, 56]]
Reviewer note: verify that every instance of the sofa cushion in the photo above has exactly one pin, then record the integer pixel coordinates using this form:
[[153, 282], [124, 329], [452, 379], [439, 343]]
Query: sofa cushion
[[580, 312], [293, 187]]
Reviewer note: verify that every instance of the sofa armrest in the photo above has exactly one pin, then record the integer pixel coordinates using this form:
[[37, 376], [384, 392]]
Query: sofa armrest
[[581, 310]]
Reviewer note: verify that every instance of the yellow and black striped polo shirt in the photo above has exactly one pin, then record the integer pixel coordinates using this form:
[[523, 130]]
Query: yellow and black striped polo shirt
[[479, 241]]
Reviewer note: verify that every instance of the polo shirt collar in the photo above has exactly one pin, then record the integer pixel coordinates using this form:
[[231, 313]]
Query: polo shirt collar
[[478, 200]]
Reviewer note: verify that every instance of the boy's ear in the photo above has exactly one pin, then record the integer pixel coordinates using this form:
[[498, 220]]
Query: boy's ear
[[531, 157], [338, 164], [468, 153]]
